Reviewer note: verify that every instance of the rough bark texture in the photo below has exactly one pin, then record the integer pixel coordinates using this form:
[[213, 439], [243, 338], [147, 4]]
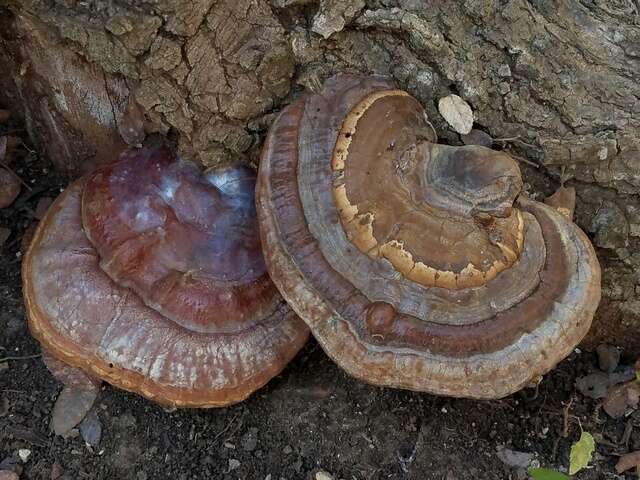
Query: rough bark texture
[[558, 80]]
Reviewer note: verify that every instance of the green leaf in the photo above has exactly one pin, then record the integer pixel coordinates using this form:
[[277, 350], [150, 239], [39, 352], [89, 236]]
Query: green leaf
[[581, 452], [546, 474]]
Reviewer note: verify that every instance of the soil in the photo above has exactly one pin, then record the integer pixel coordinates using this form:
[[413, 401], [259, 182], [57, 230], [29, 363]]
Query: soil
[[312, 417]]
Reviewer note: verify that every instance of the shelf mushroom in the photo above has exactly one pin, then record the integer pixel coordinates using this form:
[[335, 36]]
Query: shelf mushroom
[[149, 274], [417, 265]]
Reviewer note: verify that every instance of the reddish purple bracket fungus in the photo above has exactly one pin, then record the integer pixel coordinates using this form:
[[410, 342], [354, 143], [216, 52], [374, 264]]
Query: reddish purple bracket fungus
[[149, 274], [417, 265]]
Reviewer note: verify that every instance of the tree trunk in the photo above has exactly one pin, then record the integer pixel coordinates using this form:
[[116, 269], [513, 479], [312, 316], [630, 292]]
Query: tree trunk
[[556, 82]]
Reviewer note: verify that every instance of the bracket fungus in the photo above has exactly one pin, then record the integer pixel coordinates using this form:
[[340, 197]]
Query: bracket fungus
[[149, 274], [417, 265]]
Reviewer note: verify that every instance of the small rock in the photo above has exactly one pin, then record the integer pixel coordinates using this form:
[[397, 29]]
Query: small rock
[[457, 113], [504, 70], [229, 445], [514, 458], [91, 429], [8, 475], [322, 475], [249, 440], [24, 454], [42, 206], [233, 464], [287, 449], [334, 15], [477, 137], [608, 357], [504, 88]]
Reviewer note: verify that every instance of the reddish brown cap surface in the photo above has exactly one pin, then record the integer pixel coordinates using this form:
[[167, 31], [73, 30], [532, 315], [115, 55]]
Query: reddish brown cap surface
[[415, 264], [201, 324]]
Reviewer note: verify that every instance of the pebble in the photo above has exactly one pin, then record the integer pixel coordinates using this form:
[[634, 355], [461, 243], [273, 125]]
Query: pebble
[[249, 440], [233, 464], [322, 475], [504, 70], [608, 357], [287, 450], [24, 454]]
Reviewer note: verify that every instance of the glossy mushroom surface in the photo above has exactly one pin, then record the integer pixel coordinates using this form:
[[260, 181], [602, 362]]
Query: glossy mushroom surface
[[417, 265], [184, 312]]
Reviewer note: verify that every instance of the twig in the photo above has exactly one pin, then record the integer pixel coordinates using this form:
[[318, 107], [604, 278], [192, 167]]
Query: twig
[[27, 357], [565, 416], [514, 139], [524, 160], [226, 428], [8, 169]]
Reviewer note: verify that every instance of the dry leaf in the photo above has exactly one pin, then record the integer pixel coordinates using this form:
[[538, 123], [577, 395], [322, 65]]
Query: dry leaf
[[628, 461], [71, 407], [457, 113]]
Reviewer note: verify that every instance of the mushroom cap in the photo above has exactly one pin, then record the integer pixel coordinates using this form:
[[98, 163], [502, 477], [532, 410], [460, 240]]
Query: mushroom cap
[[417, 265], [84, 317]]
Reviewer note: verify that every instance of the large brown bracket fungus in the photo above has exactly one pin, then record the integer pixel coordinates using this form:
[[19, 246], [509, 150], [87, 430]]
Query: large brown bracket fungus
[[417, 265], [150, 275]]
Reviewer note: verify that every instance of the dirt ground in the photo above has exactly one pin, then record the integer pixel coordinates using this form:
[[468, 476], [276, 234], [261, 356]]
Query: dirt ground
[[311, 418]]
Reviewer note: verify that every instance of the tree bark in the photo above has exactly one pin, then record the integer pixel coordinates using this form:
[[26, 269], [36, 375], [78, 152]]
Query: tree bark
[[556, 82]]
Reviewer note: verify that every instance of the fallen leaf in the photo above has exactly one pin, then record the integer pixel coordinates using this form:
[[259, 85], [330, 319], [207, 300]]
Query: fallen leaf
[[621, 398], [514, 458], [477, 137], [546, 474], [91, 429], [68, 375], [581, 453], [457, 113], [70, 408], [627, 461], [596, 385]]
